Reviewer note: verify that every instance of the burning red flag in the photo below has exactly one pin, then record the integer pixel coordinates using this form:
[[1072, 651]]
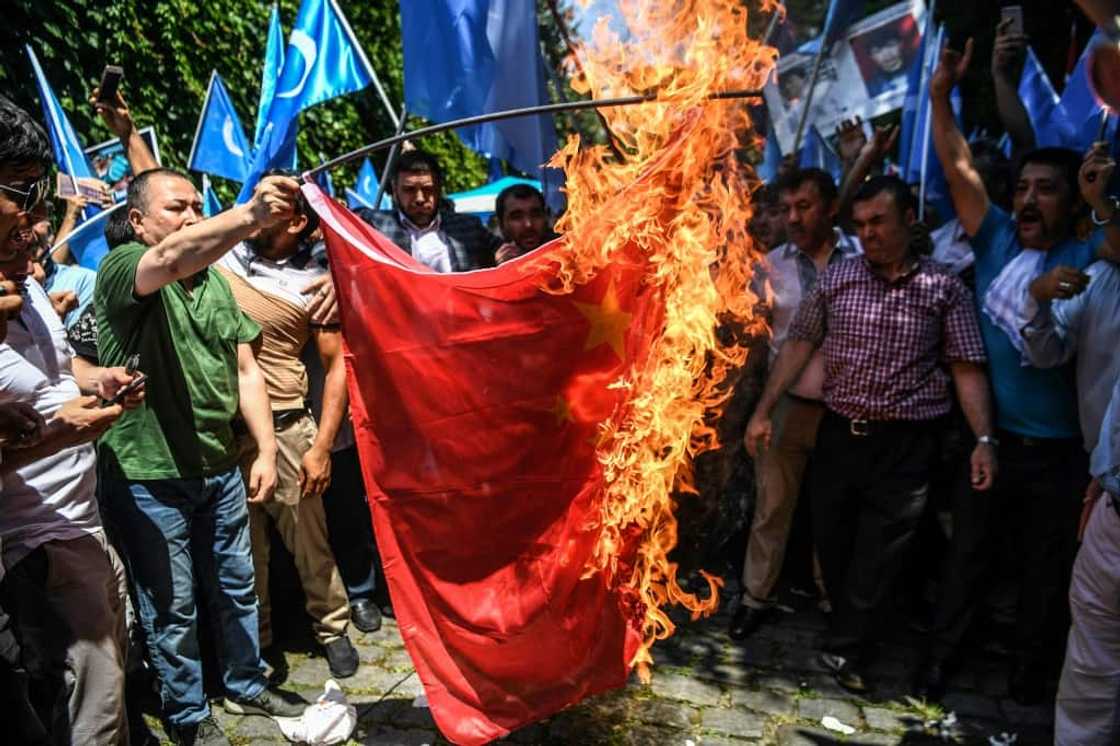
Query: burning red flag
[[477, 401]]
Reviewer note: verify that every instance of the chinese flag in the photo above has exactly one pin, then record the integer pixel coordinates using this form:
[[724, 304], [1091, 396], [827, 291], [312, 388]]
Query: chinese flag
[[476, 401]]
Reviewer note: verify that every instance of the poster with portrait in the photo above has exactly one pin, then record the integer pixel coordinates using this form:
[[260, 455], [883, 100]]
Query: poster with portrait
[[110, 163], [864, 74]]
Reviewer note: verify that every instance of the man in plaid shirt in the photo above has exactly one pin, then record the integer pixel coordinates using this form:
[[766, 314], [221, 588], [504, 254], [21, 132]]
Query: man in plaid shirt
[[894, 328]]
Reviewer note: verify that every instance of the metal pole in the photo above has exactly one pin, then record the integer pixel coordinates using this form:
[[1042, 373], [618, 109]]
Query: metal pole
[[507, 114], [386, 173], [809, 97]]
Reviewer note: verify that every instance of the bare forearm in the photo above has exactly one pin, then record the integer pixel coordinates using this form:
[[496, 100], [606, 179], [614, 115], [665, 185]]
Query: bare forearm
[[55, 438], [192, 249], [972, 390], [1013, 115], [791, 360], [852, 181], [140, 158], [61, 254], [969, 197], [334, 404], [255, 408], [86, 374], [1110, 248]]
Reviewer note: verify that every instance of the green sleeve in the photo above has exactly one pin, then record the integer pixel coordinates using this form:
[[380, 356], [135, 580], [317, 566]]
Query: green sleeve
[[116, 280], [247, 329]]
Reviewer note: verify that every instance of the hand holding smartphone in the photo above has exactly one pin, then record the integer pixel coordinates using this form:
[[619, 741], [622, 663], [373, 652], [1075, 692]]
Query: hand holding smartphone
[[111, 78], [1015, 24]]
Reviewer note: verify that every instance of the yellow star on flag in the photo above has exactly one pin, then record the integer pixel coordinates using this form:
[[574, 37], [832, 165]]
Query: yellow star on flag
[[561, 410], [608, 322]]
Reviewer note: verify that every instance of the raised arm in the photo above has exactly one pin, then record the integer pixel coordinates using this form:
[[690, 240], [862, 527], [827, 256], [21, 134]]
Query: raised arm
[[967, 189], [118, 119], [1096, 172], [871, 154], [1007, 67], [195, 247]]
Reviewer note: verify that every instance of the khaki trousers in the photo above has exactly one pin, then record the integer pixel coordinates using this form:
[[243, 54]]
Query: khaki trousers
[[67, 600], [302, 525], [778, 474]]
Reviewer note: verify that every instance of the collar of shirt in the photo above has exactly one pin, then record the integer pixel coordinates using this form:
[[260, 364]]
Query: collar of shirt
[[415, 231], [843, 246], [915, 263]]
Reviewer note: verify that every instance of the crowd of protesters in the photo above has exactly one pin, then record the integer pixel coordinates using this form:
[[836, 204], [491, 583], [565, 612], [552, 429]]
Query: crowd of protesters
[[934, 397], [162, 417]]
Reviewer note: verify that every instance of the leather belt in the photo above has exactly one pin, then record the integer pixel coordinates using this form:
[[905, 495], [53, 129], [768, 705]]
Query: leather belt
[[866, 428], [284, 418]]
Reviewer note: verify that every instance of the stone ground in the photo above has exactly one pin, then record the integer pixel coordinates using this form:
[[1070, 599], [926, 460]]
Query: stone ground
[[706, 689]]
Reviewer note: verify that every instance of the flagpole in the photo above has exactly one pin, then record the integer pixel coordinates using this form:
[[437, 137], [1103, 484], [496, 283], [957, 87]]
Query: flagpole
[[365, 63], [84, 226], [809, 95], [202, 116], [925, 124], [510, 114], [386, 173]]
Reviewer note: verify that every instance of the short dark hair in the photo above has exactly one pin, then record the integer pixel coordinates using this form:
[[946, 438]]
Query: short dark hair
[[765, 196], [302, 205], [515, 191], [22, 140], [904, 199], [118, 229], [793, 181], [1067, 161], [138, 188], [417, 161]]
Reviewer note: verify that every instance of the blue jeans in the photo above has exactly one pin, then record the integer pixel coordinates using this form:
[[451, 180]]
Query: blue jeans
[[176, 532]]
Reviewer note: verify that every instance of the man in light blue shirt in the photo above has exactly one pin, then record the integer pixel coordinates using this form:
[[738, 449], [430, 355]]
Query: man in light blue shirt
[[1087, 710]]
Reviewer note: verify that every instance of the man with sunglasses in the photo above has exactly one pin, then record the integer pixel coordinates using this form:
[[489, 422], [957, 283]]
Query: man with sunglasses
[[63, 584]]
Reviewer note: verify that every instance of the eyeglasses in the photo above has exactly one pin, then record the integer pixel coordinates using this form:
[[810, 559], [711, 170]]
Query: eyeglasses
[[30, 197]]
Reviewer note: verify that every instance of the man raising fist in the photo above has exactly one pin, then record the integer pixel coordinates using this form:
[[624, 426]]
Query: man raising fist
[[171, 474]]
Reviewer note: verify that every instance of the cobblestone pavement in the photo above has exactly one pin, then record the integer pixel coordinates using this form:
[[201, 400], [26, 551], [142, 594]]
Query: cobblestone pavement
[[706, 690]]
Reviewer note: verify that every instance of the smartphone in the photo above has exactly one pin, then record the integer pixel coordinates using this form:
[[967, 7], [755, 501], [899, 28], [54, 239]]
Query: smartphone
[[125, 390], [91, 189], [110, 82], [1015, 13]]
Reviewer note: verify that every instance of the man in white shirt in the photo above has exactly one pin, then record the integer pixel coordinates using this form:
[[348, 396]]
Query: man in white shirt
[[63, 584], [809, 201]]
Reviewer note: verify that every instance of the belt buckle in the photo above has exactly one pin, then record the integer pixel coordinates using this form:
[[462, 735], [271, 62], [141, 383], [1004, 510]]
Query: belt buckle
[[859, 428]]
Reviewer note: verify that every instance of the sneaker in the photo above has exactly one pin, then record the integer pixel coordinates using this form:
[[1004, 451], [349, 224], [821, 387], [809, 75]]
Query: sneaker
[[205, 733], [342, 658], [271, 702]]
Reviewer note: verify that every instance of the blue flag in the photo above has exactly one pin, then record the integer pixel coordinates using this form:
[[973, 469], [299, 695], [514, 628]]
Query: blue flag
[[468, 57], [323, 60], [364, 191], [1041, 102], [841, 15], [767, 170], [323, 178], [1080, 110], [273, 64], [220, 147], [816, 153], [210, 204], [90, 246]]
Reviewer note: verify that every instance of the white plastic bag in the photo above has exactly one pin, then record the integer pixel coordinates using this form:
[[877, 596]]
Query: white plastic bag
[[330, 720]]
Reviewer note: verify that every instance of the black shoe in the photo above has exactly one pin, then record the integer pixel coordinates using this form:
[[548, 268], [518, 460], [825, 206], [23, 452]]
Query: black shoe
[[746, 620], [930, 681], [845, 673], [271, 702], [1026, 685], [205, 733], [342, 658], [365, 615]]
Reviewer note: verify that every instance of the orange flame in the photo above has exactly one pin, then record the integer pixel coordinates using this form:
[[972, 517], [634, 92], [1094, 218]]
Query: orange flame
[[689, 215]]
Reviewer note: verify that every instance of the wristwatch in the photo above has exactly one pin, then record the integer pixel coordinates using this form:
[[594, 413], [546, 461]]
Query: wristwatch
[[989, 440]]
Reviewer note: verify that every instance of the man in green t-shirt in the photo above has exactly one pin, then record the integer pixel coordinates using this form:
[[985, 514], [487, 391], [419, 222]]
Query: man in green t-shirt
[[171, 480]]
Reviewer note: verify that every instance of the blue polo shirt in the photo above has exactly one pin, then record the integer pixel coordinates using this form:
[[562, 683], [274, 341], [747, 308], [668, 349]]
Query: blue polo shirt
[[1029, 401]]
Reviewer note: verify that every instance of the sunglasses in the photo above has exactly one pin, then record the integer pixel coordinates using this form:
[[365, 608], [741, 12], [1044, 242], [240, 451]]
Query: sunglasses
[[30, 197]]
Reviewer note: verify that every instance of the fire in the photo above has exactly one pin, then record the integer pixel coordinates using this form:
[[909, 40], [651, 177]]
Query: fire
[[690, 219]]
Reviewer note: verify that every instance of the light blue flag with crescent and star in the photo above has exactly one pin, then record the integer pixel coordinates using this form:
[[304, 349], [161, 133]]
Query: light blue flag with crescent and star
[[90, 246], [273, 64], [323, 60], [364, 191], [220, 147]]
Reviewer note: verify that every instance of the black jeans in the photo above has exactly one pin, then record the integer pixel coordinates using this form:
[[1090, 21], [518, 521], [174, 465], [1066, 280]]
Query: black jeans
[[350, 527], [1037, 500], [868, 495]]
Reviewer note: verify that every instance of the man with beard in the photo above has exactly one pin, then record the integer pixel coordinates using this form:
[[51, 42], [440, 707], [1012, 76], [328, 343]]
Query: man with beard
[[523, 220], [1044, 469]]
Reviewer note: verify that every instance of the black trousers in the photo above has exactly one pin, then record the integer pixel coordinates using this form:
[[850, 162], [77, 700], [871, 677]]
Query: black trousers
[[1037, 500], [868, 492], [350, 528]]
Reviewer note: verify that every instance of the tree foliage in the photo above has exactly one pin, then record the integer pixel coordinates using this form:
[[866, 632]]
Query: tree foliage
[[169, 47]]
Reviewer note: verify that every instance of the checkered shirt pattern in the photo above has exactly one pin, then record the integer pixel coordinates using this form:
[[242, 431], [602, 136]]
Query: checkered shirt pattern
[[886, 343]]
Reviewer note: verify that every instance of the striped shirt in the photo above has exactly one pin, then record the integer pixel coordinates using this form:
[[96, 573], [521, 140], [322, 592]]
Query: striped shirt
[[885, 343]]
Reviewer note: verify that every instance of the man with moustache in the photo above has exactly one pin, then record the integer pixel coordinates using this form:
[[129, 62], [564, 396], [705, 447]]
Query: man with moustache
[[1044, 469], [808, 200], [523, 220]]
